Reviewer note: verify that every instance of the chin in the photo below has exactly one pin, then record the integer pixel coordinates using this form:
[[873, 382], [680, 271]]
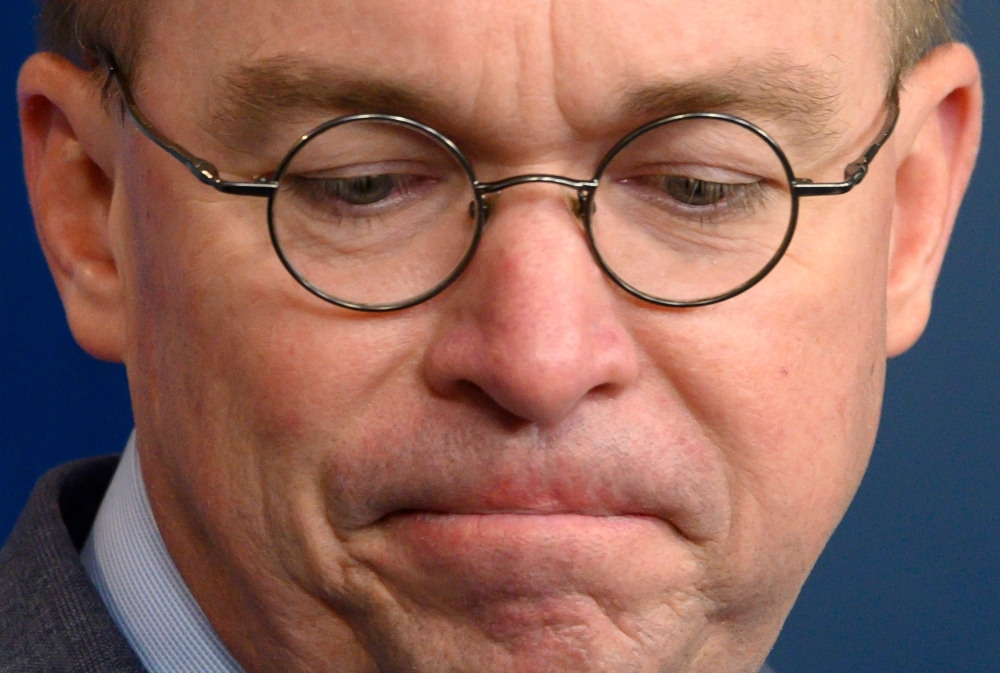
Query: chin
[[526, 593], [573, 634]]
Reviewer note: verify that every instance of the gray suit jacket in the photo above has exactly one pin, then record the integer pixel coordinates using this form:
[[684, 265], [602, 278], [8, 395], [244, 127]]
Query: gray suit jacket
[[51, 618]]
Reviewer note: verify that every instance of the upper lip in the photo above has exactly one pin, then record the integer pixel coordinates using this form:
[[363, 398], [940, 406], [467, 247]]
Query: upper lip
[[598, 488]]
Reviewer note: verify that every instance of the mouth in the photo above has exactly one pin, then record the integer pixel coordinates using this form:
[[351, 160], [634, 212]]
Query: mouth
[[564, 503], [518, 538], [522, 568], [564, 488], [464, 528], [513, 536]]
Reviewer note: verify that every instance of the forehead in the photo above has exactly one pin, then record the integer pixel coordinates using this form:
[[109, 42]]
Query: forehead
[[525, 61], [582, 31]]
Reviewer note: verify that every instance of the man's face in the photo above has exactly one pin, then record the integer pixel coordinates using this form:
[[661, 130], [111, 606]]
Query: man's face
[[532, 471]]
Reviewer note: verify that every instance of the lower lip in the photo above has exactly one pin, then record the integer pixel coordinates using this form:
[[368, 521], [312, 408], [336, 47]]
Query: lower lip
[[535, 556], [489, 523], [516, 533]]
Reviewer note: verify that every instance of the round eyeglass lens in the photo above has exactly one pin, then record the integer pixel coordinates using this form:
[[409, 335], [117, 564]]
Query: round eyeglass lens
[[693, 210], [372, 213]]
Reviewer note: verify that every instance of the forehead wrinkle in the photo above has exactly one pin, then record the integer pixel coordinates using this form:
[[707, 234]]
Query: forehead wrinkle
[[775, 89]]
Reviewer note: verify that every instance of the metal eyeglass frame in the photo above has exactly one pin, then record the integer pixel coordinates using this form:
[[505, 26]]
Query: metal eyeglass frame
[[268, 188]]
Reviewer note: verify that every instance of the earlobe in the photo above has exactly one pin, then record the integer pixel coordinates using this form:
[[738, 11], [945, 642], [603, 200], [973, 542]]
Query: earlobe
[[67, 139], [937, 140]]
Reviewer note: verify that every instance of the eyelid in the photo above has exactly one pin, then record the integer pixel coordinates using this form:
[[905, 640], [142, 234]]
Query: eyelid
[[701, 172], [713, 174], [358, 168]]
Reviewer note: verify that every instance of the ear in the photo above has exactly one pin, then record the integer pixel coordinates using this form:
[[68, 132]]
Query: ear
[[69, 142], [937, 143]]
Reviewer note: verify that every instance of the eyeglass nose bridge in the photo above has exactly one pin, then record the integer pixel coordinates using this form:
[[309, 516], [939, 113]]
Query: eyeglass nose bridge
[[582, 186], [584, 189]]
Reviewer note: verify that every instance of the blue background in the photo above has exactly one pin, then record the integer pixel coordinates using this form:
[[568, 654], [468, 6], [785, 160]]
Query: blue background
[[910, 581]]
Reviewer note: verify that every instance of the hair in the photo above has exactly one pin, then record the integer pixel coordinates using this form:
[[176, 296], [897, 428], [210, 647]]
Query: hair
[[915, 28], [79, 29]]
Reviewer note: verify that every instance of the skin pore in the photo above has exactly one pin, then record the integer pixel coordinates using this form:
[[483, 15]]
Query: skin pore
[[532, 471]]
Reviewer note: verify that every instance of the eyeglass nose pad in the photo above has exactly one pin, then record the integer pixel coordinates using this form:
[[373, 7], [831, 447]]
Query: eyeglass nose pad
[[482, 207], [583, 203], [579, 204]]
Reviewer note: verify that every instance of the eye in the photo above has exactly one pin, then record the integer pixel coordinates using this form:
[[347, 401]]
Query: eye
[[728, 193], [356, 191], [363, 190], [694, 192]]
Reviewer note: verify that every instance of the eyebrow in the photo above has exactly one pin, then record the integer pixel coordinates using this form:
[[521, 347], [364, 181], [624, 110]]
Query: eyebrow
[[260, 95], [775, 89]]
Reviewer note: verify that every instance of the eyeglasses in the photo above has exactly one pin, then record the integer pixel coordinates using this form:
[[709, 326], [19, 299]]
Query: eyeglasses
[[377, 212]]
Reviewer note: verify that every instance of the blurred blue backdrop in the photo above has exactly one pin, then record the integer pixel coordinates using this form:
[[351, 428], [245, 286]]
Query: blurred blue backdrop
[[910, 581]]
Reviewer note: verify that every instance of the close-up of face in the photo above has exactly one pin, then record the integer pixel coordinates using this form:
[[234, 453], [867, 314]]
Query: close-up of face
[[534, 469]]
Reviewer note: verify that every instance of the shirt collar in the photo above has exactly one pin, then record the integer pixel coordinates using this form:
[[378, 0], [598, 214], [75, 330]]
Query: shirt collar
[[129, 564]]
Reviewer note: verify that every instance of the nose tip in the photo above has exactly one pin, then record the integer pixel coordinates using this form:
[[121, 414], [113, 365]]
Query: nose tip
[[536, 327], [538, 373]]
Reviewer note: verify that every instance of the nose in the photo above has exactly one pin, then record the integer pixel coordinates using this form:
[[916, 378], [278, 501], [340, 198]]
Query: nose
[[534, 323]]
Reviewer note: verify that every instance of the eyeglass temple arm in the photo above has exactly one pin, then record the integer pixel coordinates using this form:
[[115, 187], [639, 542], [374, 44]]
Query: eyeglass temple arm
[[855, 172], [207, 173], [204, 170]]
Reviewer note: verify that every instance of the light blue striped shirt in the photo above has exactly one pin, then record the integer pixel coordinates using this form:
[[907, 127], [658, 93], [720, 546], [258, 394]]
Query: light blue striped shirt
[[142, 588]]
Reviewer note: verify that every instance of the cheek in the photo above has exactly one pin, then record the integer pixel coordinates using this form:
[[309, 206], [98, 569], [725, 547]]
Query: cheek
[[786, 383], [230, 355], [242, 381]]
